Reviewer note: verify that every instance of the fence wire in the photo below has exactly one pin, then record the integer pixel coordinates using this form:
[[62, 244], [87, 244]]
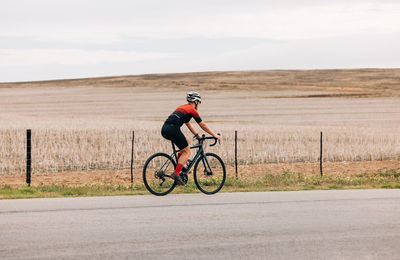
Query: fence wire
[[83, 150]]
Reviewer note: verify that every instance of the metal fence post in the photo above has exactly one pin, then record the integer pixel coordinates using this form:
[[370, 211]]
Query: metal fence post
[[28, 157], [320, 156], [133, 141], [236, 168]]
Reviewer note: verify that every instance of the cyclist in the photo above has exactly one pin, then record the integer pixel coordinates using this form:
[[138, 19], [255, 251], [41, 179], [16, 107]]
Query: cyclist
[[171, 130]]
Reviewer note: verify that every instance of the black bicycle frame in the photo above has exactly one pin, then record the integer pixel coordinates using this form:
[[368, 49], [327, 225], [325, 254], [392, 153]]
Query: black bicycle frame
[[199, 153]]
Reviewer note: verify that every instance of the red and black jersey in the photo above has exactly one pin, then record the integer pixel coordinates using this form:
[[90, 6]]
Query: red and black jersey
[[183, 114]]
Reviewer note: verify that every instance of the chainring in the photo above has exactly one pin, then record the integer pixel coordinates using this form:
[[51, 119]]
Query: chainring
[[185, 178]]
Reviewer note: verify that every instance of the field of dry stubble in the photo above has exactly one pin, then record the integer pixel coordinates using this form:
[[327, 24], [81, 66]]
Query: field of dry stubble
[[80, 125]]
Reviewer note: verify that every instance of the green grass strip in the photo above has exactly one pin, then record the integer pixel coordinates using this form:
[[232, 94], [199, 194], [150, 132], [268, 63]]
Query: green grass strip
[[286, 181]]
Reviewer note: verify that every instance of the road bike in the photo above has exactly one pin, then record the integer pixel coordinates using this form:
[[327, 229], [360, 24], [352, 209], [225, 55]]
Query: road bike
[[209, 172]]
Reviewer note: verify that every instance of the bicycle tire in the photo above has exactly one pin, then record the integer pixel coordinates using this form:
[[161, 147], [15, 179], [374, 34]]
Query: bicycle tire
[[152, 174], [210, 183]]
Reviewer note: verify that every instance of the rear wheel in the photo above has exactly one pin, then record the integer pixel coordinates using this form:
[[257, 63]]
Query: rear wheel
[[157, 172], [209, 174]]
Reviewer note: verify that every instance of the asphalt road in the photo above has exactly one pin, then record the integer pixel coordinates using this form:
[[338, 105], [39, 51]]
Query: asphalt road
[[353, 224]]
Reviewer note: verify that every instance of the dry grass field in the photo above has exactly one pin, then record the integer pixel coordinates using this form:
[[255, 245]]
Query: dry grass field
[[86, 124], [364, 82]]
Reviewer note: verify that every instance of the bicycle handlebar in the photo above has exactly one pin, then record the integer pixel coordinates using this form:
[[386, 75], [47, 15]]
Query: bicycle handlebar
[[203, 137]]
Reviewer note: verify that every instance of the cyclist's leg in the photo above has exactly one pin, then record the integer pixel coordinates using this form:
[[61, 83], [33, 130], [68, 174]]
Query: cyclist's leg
[[174, 133], [185, 153], [182, 142], [169, 132], [181, 151]]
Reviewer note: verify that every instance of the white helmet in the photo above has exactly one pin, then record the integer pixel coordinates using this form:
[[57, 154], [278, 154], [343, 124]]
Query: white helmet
[[193, 96]]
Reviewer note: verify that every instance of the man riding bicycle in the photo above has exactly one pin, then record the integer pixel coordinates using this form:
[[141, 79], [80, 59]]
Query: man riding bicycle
[[171, 130]]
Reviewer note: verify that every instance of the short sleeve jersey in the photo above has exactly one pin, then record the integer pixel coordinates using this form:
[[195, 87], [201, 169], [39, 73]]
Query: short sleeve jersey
[[183, 114]]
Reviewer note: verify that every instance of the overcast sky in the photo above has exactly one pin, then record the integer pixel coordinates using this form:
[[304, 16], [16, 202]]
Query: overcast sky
[[49, 39]]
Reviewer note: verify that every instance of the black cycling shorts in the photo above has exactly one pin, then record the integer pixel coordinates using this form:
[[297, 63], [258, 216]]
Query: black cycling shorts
[[174, 134]]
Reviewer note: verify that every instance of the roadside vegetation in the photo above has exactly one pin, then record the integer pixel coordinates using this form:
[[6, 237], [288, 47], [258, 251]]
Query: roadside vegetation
[[286, 181]]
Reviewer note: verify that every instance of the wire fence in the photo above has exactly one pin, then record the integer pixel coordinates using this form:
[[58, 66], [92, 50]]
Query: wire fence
[[84, 150]]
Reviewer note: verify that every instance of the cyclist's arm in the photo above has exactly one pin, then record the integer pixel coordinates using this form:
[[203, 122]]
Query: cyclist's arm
[[208, 130], [191, 128]]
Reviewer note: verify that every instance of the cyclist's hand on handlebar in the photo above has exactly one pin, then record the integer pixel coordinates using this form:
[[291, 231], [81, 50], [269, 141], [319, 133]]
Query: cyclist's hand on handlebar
[[218, 137]]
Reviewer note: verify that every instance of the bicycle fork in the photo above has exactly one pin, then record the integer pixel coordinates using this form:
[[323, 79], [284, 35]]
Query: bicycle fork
[[206, 164]]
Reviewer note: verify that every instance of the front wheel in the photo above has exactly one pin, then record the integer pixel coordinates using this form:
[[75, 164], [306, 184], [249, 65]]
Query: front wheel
[[157, 171], [209, 173]]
